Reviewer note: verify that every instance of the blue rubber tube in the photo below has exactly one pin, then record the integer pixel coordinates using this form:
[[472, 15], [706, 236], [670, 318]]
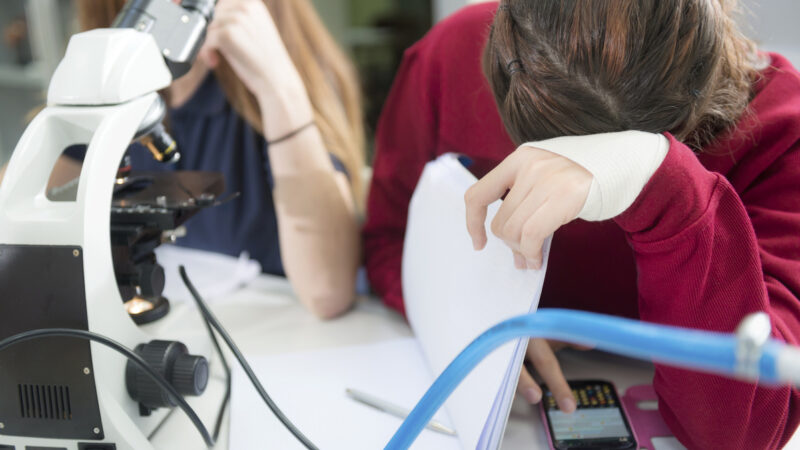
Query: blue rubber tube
[[699, 350]]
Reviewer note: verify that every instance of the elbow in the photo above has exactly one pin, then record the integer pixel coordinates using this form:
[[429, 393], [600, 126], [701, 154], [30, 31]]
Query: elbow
[[327, 304]]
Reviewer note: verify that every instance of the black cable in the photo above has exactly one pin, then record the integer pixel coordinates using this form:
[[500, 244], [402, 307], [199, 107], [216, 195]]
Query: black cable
[[209, 316], [128, 353], [226, 399]]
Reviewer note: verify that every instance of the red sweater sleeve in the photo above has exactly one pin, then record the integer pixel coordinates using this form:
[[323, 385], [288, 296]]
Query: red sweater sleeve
[[706, 256], [406, 141], [440, 102]]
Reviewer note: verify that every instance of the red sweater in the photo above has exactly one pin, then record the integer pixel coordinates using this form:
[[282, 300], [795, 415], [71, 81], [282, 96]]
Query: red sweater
[[711, 238]]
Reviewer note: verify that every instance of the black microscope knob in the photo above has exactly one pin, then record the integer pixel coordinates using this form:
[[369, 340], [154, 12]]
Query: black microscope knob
[[190, 374], [151, 279]]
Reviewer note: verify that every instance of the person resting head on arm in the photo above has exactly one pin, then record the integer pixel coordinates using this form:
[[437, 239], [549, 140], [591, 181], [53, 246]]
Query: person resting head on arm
[[273, 104], [660, 116]]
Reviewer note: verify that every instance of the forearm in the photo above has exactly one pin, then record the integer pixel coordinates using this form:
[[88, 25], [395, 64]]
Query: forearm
[[700, 265], [317, 220], [66, 169], [710, 277]]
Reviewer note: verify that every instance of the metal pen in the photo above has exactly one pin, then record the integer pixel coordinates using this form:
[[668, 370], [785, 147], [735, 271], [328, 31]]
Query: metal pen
[[391, 408]]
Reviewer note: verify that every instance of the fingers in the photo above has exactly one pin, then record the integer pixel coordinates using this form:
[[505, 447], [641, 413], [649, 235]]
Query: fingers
[[544, 360], [519, 260], [511, 230], [509, 226], [544, 222], [243, 16], [583, 348], [208, 55], [229, 39], [519, 194], [559, 345], [483, 193], [546, 191], [536, 181], [528, 388]]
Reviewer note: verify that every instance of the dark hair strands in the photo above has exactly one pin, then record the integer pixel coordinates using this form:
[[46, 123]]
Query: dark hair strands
[[577, 67]]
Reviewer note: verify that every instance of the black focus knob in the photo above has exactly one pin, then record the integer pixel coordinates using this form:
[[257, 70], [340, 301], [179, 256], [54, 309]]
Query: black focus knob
[[188, 374], [151, 279]]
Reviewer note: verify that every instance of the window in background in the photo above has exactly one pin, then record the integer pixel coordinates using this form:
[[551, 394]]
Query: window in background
[[773, 24]]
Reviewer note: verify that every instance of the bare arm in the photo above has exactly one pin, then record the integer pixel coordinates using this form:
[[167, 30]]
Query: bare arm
[[318, 228], [317, 222], [65, 169]]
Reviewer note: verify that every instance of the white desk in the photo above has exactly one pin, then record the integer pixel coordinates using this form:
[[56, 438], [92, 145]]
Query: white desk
[[264, 318]]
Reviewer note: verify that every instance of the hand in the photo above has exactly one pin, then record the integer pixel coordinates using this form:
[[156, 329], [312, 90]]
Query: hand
[[244, 33], [545, 191], [541, 354]]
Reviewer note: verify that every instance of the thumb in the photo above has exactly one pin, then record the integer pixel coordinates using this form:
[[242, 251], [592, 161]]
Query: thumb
[[208, 54]]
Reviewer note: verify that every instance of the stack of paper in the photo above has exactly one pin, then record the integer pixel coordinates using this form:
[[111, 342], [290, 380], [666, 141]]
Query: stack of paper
[[452, 295]]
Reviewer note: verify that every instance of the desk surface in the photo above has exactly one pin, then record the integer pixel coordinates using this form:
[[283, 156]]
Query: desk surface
[[264, 318]]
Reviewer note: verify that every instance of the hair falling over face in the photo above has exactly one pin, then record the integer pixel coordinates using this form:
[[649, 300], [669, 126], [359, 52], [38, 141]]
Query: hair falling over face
[[573, 67]]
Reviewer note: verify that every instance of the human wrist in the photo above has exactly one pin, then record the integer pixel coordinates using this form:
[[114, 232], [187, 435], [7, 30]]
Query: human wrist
[[284, 111], [678, 194], [621, 164]]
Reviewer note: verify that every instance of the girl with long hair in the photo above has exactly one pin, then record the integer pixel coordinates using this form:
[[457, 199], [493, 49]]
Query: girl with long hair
[[273, 104]]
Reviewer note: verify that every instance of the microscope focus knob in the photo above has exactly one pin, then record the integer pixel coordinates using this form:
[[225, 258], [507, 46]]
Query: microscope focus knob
[[190, 374], [152, 279]]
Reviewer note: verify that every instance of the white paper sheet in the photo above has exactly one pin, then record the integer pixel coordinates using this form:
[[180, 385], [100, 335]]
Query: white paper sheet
[[453, 294], [310, 389], [213, 274]]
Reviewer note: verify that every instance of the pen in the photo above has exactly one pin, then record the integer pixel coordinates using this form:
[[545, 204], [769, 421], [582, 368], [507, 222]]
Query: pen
[[390, 408]]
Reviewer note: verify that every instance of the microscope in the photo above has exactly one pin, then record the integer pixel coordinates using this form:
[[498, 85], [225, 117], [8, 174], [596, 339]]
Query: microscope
[[74, 258]]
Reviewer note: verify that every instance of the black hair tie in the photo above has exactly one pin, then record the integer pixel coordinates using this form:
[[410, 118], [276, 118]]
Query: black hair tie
[[514, 66]]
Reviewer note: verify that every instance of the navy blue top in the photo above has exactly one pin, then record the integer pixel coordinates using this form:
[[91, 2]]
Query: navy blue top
[[211, 136]]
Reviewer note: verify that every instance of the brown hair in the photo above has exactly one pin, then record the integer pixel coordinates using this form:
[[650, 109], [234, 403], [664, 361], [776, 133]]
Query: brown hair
[[328, 75], [575, 67]]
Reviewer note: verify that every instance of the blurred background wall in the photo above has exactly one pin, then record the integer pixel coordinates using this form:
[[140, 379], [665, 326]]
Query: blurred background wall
[[32, 41], [374, 32]]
